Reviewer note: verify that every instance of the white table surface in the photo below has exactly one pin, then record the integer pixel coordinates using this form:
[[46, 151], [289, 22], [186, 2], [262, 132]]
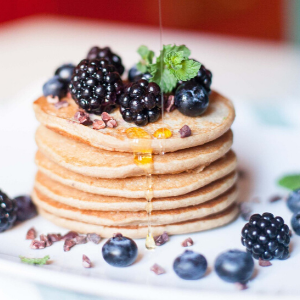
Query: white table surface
[[31, 49]]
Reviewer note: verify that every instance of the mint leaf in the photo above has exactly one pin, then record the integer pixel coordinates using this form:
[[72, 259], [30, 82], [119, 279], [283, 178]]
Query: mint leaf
[[35, 261], [189, 69], [147, 58], [291, 182]]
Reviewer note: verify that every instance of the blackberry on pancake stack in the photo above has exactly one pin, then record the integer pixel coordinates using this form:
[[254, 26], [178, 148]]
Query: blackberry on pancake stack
[[87, 179]]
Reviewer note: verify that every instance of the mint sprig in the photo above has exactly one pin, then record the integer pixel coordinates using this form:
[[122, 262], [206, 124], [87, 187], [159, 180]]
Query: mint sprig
[[147, 58], [35, 261], [173, 64], [291, 182]]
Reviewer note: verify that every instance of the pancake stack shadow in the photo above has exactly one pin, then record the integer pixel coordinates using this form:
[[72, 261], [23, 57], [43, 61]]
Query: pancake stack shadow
[[85, 188]]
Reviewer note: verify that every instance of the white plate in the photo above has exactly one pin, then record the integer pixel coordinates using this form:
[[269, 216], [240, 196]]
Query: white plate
[[267, 148]]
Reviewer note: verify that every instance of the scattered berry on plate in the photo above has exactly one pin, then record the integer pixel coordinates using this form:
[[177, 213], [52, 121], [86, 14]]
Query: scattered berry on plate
[[120, 251], [293, 201], [234, 266], [296, 222], [191, 99], [55, 87], [8, 212], [106, 53], [141, 102], [96, 86], [65, 72], [26, 208], [190, 265], [266, 237]]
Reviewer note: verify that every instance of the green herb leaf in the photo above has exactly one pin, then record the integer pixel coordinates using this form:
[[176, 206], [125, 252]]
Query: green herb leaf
[[35, 261], [147, 58], [291, 182], [176, 66]]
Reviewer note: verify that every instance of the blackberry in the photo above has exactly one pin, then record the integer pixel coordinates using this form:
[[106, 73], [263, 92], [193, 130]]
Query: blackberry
[[204, 78], [107, 54], [8, 212], [96, 85], [141, 102], [266, 237]]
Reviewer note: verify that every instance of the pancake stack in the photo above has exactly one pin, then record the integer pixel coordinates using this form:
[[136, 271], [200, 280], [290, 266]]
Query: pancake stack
[[87, 179]]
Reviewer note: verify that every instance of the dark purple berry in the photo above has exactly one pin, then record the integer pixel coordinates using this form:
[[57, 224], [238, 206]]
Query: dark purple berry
[[26, 208], [65, 72], [8, 212], [55, 87]]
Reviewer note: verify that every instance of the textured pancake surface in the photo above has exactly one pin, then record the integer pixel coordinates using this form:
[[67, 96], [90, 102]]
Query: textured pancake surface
[[212, 124], [135, 187], [86, 201], [213, 221], [86, 160]]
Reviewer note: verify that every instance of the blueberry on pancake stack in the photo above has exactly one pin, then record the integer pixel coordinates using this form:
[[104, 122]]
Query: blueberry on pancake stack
[[90, 178]]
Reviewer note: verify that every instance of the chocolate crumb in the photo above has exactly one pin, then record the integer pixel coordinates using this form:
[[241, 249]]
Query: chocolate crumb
[[106, 117], [53, 237], [187, 242], [185, 131], [112, 124], [118, 234], [31, 234], [94, 237], [52, 100], [45, 239], [86, 262], [241, 286], [170, 105], [37, 244], [264, 263], [242, 174], [61, 104], [98, 124], [82, 117], [70, 235], [275, 198], [245, 210], [158, 270], [290, 233], [161, 239], [81, 239], [69, 244]]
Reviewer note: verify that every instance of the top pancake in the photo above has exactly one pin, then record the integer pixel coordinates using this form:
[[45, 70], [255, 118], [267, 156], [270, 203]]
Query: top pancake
[[86, 160], [212, 124]]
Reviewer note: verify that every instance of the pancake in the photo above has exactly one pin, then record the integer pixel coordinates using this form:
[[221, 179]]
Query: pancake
[[82, 200], [135, 187], [202, 224], [123, 218], [212, 124], [86, 160]]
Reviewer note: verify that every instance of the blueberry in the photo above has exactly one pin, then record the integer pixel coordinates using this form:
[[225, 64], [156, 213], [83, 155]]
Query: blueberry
[[120, 251], [191, 99], [293, 201], [65, 72], [190, 265], [234, 266], [296, 222], [55, 87], [26, 208], [133, 72]]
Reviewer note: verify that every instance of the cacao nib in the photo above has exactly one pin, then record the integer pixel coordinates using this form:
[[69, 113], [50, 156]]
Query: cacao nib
[[275, 198], [106, 117], [69, 244], [86, 262], [161, 239], [264, 263], [185, 131], [81, 239], [242, 174], [45, 239], [53, 237], [118, 234], [61, 104], [70, 235], [37, 244], [98, 124], [94, 237], [112, 124], [31, 234], [170, 105], [187, 242], [82, 117], [158, 270]]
